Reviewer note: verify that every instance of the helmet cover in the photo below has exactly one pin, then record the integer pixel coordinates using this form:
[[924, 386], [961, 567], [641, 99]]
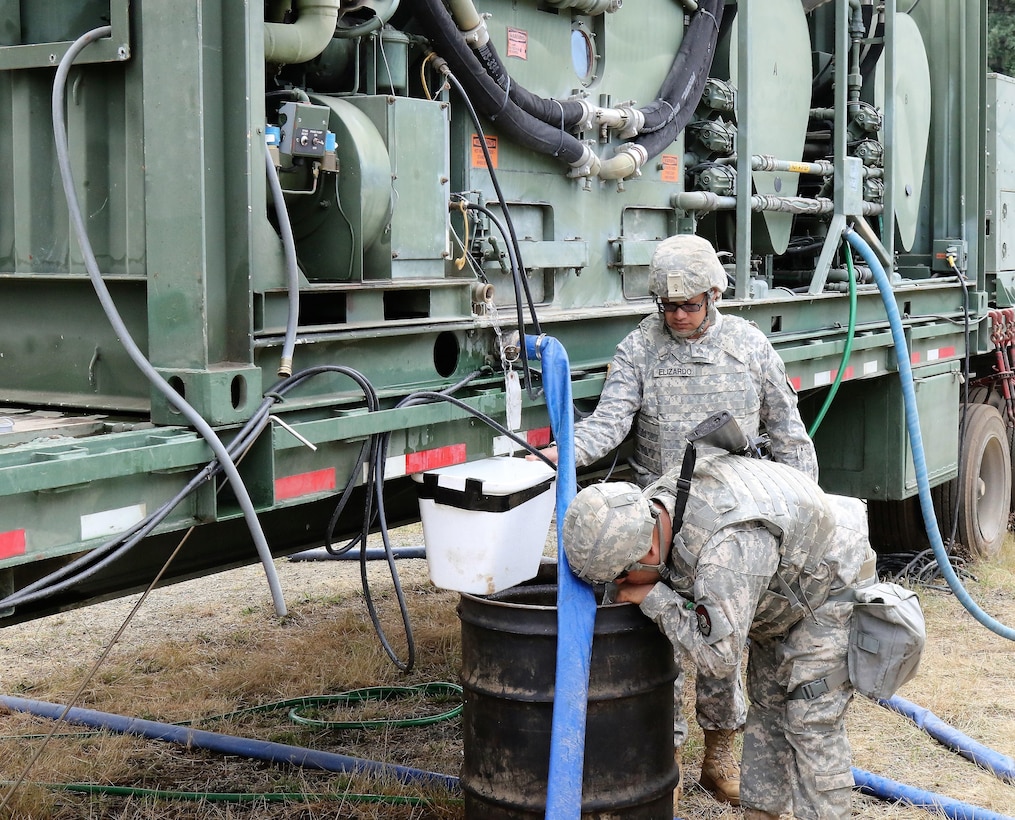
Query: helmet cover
[[684, 266], [607, 527]]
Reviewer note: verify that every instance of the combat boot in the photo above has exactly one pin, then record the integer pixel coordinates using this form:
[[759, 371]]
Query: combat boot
[[758, 814], [720, 769]]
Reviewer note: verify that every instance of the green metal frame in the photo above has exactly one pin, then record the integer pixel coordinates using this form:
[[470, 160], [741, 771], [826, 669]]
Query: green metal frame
[[167, 121]]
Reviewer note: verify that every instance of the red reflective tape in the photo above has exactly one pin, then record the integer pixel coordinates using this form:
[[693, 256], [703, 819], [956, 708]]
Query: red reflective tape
[[945, 352], [12, 543], [797, 383], [914, 357], [539, 437], [293, 486], [847, 373], [432, 459]]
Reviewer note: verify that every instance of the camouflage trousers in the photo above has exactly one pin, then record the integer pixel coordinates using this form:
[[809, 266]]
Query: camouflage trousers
[[719, 702], [796, 754]]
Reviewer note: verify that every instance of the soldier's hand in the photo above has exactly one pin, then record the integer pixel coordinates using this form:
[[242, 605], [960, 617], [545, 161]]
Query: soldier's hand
[[549, 452], [632, 593]]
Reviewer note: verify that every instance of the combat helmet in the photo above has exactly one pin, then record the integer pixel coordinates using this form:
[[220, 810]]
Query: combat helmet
[[607, 528], [684, 266]]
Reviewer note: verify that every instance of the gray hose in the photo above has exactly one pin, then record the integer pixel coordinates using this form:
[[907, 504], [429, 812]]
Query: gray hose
[[285, 365], [142, 363]]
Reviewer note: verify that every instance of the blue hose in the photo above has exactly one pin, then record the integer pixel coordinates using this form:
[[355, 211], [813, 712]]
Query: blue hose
[[885, 789], [916, 439], [228, 744], [576, 603], [998, 764]]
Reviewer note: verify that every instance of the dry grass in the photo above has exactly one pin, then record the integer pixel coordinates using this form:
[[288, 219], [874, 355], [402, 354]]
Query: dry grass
[[193, 664]]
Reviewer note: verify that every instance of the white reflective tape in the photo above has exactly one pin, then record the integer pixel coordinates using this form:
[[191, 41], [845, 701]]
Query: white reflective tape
[[504, 445], [110, 522], [821, 379], [870, 367], [394, 466]]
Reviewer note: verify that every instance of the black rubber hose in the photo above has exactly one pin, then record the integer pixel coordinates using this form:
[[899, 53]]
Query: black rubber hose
[[681, 90], [566, 113], [678, 95], [488, 97], [677, 90]]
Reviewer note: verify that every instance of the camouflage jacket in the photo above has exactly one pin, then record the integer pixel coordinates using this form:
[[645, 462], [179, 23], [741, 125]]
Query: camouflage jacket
[[665, 386], [724, 561]]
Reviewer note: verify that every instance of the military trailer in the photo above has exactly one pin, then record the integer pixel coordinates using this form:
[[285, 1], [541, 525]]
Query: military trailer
[[262, 262]]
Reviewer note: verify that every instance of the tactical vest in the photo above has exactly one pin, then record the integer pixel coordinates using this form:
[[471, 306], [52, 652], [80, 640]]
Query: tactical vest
[[684, 384], [729, 490]]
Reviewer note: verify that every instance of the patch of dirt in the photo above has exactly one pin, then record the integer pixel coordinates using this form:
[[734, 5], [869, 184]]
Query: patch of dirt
[[212, 645], [183, 612]]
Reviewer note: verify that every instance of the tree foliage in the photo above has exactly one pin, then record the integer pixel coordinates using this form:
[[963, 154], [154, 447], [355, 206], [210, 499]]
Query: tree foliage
[[1001, 36]]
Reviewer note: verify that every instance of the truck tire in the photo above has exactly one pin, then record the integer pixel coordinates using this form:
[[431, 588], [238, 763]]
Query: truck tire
[[993, 397], [981, 495], [896, 526]]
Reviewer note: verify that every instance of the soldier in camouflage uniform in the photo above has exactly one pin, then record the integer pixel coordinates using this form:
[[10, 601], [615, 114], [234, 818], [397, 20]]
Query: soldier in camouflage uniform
[[761, 553], [670, 373]]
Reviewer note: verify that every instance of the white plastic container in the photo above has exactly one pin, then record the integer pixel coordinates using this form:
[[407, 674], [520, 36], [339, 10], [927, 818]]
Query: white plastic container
[[485, 522]]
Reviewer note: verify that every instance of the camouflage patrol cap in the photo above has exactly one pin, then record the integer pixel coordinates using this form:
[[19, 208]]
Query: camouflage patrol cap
[[607, 527], [684, 266]]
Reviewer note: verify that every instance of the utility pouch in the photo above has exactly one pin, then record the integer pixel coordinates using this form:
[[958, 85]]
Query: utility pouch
[[886, 639]]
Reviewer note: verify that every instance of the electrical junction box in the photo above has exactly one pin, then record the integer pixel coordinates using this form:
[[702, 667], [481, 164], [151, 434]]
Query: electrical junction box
[[304, 129]]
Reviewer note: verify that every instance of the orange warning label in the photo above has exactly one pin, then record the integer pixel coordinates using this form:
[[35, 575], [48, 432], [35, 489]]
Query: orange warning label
[[669, 170], [478, 160], [518, 43]]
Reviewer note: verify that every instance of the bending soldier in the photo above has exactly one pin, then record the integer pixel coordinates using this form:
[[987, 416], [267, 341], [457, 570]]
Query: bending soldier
[[758, 551]]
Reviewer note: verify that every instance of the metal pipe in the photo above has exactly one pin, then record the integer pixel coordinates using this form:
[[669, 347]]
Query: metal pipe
[[305, 39], [765, 162], [592, 7], [470, 22], [707, 201], [867, 234]]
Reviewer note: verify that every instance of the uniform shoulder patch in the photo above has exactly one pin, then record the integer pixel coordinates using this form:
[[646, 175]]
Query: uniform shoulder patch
[[704, 621]]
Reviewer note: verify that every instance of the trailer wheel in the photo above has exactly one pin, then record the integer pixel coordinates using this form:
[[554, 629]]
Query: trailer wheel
[[896, 526], [984, 495], [993, 397]]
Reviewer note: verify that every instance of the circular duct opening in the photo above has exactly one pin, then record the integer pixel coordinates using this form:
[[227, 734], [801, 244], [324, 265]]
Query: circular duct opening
[[445, 353]]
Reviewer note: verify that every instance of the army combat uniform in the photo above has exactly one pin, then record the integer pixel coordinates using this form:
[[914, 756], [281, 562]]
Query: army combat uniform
[[666, 386], [764, 554]]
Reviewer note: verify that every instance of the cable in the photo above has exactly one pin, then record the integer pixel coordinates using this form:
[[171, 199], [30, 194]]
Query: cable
[[916, 437], [373, 693], [957, 487], [106, 301], [285, 366], [378, 458], [100, 557], [847, 347], [922, 568], [514, 246]]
